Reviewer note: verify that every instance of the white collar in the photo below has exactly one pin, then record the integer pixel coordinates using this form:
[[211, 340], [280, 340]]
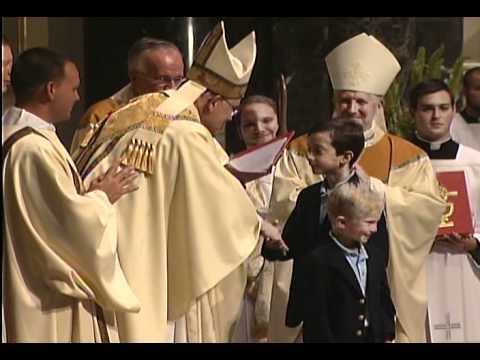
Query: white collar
[[356, 252], [16, 116], [434, 145], [124, 95]]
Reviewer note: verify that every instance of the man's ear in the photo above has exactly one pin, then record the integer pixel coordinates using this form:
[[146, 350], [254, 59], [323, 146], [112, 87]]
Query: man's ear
[[50, 90], [340, 222], [213, 102], [347, 157], [210, 105]]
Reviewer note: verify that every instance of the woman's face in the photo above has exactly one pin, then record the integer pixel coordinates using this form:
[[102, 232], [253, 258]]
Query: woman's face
[[258, 124]]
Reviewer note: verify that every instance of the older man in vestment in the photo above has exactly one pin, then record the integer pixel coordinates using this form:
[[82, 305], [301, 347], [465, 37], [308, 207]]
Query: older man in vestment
[[361, 70], [153, 65], [185, 236]]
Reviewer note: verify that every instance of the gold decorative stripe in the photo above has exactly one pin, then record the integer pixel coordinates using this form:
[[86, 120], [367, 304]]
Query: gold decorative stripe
[[83, 151], [139, 154], [92, 130], [155, 122], [85, 156], [102, 156], [150, 158]]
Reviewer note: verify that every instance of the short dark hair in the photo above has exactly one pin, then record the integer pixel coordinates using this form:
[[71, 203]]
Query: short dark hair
[[346, 135], [468, 75], [428, 87], [34, 68], [147, 43]]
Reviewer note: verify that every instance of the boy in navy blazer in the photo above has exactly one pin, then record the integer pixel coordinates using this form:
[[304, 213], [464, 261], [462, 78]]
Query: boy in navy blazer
[[334, 148], [346, 282]]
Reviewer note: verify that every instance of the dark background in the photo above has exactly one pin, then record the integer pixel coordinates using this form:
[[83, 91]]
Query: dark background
[[295, 46]]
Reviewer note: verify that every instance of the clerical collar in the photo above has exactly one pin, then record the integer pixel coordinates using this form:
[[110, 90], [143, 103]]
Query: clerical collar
[[445, 150], [434, 145], [470, 119]]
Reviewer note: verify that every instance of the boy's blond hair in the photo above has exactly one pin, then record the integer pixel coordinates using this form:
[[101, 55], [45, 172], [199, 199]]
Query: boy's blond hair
[[354, 200]]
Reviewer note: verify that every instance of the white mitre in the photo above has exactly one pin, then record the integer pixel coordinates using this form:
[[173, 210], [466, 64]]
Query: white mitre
[[221, 70], [362, 63]]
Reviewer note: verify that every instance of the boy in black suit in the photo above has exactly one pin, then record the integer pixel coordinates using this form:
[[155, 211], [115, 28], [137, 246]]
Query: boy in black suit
[[347, 286], [334, 147]]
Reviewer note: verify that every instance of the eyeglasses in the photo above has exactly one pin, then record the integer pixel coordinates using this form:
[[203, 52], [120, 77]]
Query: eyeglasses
[[162, 79], [234, 107]]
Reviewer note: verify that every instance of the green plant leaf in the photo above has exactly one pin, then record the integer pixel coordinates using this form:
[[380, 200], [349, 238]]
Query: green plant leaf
[[417, 71], [455, 78], [434, 65]]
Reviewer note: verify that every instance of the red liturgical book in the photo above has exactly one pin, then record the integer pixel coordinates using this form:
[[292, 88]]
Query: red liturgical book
[[457, 217], [258, 161]]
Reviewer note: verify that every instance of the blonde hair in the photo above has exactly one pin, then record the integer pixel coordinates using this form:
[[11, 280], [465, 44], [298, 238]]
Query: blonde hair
[[354, 200]]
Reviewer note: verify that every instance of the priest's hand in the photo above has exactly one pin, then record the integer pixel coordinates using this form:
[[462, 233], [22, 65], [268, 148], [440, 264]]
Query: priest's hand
[[457, 243], [273, 237], [116, 183]]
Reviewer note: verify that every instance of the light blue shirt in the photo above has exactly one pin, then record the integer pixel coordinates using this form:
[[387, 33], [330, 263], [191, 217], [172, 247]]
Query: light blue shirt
[[325, 191], [357, 258]]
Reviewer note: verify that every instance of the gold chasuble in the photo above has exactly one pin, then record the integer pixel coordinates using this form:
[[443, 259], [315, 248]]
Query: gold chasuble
[[185, 234], [90, 121], [95, 115], [413, 213]]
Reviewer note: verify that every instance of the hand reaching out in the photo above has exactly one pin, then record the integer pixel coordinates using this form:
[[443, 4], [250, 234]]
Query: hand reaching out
[[273, 237], [116, 183]]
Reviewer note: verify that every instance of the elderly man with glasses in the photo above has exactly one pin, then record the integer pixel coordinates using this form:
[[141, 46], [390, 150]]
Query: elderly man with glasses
[[153, 65]]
